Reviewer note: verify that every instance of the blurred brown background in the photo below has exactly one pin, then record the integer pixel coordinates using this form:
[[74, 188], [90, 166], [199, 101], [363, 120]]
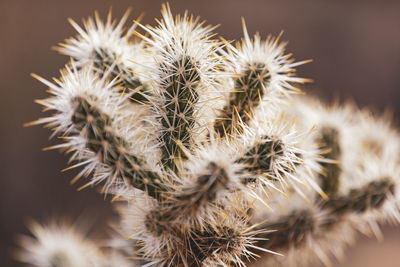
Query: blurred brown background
[[355, 46]]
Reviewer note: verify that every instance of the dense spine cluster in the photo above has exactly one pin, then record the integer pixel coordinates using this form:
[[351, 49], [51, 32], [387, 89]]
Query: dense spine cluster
[[213, 162]]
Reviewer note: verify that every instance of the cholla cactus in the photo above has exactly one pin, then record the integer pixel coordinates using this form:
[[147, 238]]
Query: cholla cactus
[[212, 159]]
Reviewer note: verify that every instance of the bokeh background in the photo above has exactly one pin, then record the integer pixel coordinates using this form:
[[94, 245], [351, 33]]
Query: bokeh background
[[355, 46]]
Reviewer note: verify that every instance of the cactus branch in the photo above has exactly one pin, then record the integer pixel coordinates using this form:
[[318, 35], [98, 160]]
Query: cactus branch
[[181, 96], [247, 95], [112, 150]]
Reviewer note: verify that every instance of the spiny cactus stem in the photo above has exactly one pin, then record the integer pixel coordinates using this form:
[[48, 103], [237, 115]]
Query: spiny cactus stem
[[207, 186], [112, 150], [331, 180], [179, 91], [291, 230], [128, 81], [248, 92], [259, 158], [191, 199], [203, 244], [371, 196], [198, 243], [195, 244]]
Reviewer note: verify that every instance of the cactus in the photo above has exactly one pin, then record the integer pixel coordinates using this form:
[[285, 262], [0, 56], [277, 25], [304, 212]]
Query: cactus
[[210, 158], [108, 47]]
